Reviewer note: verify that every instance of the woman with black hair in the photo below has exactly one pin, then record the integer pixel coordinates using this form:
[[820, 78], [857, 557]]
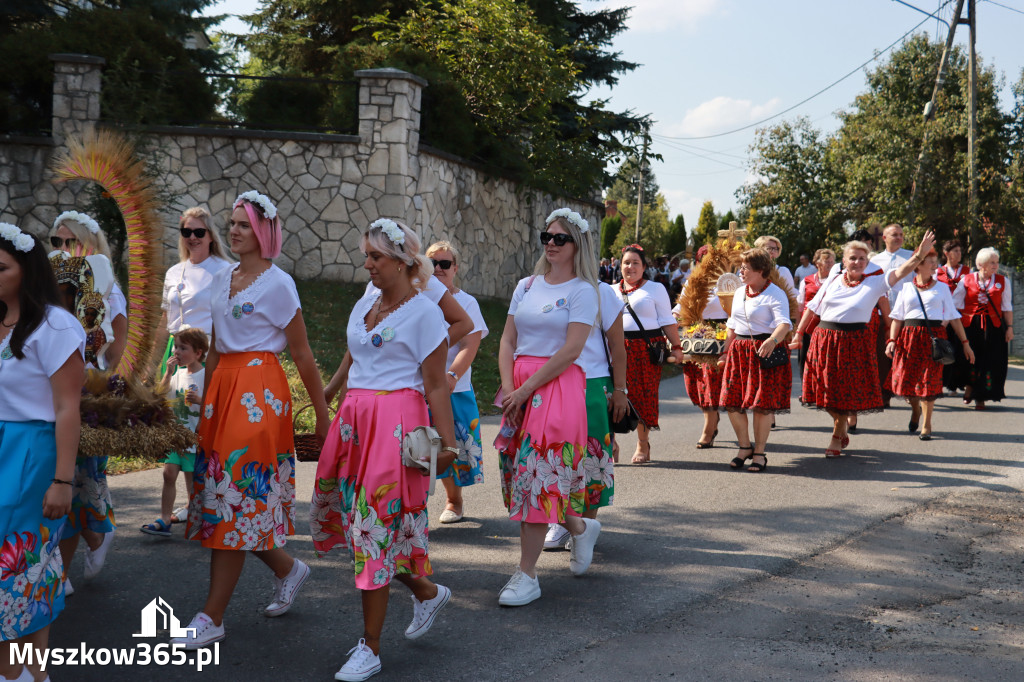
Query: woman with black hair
[[42, 354]]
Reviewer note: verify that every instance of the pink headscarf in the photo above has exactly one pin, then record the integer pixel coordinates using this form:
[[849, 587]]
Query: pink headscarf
[[268, 232]]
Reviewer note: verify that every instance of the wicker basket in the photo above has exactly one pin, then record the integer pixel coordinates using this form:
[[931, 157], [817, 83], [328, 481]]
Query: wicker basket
[[306, 447]]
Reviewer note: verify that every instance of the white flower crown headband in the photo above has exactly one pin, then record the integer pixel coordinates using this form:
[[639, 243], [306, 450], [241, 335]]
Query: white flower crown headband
[[261, 200], [391, 229], [570, 215], [22, 242], [89, 223]]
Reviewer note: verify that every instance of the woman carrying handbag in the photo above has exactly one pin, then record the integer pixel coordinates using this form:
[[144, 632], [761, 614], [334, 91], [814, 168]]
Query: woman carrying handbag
[[918, 317], [647, 322]]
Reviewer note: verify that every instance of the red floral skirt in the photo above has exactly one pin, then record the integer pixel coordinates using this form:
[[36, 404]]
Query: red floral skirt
[[914, 374], [748, 386], [643, 378], [703, 384], [841, 374]]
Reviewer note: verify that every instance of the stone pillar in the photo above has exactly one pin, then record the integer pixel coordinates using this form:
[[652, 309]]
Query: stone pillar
[[389, 140], [77, 83]]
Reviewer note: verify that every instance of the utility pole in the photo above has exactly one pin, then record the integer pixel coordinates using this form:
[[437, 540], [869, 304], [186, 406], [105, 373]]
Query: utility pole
[[972, 135], [640, 189]]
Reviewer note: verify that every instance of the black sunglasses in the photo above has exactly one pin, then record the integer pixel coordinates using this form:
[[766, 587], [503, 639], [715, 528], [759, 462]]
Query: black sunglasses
[[57, 242], [444, 264], [559, 239], [187, 233]]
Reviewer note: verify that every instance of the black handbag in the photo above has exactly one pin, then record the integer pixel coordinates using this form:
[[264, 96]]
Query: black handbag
[[779, 355], [942, 349], [631, 419], [657, 351]]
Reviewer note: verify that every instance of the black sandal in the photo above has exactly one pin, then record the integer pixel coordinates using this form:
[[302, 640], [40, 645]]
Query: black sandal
[[705, 446], [738, 462], [760, 467]]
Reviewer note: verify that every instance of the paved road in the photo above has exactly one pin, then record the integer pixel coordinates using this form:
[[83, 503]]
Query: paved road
[[686, 536]]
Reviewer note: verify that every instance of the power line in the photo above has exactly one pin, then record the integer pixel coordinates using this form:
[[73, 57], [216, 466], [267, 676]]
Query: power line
[[805, 101], [998, 4], [702, 149], [679, 148]]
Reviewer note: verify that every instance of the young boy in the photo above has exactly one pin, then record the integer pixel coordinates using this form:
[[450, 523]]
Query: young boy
[[185, 385]]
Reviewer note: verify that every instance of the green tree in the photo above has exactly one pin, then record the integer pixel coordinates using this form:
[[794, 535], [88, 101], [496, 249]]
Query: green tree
[[676, 241], [626, 182], [610, 227], [706, 231], [792, 197], [150, 76], [654, 227], [507, 79], [875, 150], [1013, 214]]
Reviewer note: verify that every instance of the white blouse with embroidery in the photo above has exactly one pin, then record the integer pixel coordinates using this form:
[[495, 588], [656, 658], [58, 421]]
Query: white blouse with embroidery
[[255, 318]]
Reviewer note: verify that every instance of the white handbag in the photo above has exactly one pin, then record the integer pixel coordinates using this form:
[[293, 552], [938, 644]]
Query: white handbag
[[420, 448]]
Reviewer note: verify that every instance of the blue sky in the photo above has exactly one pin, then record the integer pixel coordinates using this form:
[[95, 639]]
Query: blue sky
[[712, 66]]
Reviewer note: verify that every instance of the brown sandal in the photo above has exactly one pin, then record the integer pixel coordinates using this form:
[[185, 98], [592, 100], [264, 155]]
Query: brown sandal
[[640, 457]]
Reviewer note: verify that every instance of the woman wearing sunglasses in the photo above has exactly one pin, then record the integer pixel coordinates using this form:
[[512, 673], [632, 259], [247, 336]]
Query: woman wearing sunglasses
[[467, 468], [186, 300], [647, 306], [542, 445], [92, 512]]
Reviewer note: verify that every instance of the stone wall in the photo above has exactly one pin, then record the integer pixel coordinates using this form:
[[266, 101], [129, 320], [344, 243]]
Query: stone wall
[[328, 188]]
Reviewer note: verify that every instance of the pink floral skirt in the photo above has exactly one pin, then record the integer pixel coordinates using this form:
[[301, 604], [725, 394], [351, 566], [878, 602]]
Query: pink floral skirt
[[542, 467], [363, 496]]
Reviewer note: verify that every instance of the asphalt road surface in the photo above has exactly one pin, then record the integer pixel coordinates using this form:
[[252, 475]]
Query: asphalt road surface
[[875, 566]]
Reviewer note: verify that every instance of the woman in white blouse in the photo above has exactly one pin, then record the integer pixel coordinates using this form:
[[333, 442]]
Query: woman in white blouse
[[187, 291], [757, 327], [41, 373], [364, 498], [774, 248], [914, 374], [467, 468], [542, 442], [646, 302], [92, 508], [841, 374], [244, 482]]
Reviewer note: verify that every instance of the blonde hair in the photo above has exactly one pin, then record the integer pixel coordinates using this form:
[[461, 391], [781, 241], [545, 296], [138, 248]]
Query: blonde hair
[[420, 267], [823, 252], [93, 242], [584, 260], [855, 244], [203, 216], [443, 246], [984, 256], [764, 239]]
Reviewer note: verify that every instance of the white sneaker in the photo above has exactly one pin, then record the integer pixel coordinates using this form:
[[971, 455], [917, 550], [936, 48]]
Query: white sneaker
[[450, 516], [285, 590], [556, 537], [424, 612], [205, 634], [581, 552], [520, 590], [68, 590], [94, 559], [362, 664]]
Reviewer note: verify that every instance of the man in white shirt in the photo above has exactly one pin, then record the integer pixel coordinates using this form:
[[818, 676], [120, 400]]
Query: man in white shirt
[[890, 259], [805, 269], [893, 257]]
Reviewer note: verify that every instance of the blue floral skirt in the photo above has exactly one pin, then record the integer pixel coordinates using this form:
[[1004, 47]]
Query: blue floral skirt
[[31, 570], [467, 468], [91, 505]]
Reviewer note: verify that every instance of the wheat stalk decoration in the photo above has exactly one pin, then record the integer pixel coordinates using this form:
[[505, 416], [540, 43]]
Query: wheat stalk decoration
[[108, 159]]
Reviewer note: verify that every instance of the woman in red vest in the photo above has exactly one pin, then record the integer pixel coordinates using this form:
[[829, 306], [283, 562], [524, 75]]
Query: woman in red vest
[[957, 375], [985, 299]]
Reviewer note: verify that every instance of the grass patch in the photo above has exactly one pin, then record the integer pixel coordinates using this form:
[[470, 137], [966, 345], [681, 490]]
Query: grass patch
[[126, 465]]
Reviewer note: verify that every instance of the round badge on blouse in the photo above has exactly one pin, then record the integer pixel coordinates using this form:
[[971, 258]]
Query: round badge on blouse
[[7, 353], [248, 308], [236, 312], [387, 333], [560, 303], [547, 309], [377, 340], [181, 287]]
